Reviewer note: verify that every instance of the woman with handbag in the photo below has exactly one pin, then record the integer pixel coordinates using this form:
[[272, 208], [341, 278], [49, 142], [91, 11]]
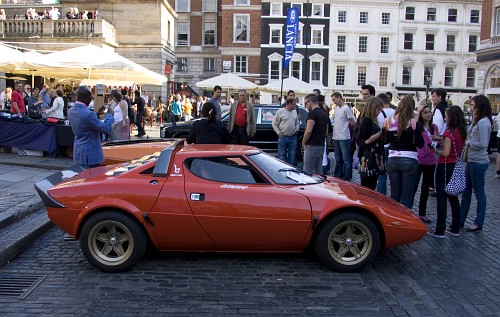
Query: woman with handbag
[[371, 147], [426, 160], [402, 164], [478, 138], [452, 143]]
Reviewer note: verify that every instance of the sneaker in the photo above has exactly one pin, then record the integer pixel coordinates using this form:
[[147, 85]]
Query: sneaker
[[435, 234], [425, 219], [497, 175], [455, 234]]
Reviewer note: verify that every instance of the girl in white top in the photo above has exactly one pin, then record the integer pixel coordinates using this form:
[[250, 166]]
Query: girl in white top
[[57, 109], [120, 130]]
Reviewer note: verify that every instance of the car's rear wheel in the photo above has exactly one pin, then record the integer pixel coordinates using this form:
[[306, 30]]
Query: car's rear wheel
[[300, 150], [348, 242], [113, 241]]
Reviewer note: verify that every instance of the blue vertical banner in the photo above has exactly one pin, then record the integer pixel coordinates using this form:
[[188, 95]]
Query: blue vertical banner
[[292, 31]]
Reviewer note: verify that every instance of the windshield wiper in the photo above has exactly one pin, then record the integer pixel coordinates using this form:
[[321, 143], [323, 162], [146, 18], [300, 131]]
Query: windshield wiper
[[294, 169]]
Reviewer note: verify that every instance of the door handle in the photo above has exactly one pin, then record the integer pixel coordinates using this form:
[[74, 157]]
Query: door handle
[[153, 182], [197, 196]]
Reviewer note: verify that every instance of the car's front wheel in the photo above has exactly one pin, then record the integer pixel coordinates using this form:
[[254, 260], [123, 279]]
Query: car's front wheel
[[348, 242], [113, 241]]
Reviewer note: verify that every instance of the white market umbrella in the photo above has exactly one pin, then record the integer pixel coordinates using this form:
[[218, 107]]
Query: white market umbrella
[[292, 83], [9, 58], [99, 63], [227, 81]]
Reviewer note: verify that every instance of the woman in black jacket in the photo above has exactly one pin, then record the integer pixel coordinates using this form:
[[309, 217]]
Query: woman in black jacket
[[208, 130]]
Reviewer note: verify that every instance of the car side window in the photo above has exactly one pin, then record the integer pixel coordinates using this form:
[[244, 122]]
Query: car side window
[[225, 169]]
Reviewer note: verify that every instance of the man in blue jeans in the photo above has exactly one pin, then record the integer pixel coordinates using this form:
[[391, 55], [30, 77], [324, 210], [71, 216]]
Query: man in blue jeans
[[343, 117], [286, 125]]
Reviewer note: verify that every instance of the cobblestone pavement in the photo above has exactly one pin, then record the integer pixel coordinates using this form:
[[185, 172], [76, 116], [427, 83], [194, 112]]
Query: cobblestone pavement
[[455, 276]]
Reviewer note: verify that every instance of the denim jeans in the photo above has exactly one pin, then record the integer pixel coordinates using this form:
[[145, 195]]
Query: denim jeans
[[475, 174], [343, 159], [313, 159], [287, 149], [382, 178], [403, 173], [440, 183]]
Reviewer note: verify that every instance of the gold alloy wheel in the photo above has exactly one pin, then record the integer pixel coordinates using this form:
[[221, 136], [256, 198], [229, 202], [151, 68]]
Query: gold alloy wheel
[[350, 242], [110, 243]]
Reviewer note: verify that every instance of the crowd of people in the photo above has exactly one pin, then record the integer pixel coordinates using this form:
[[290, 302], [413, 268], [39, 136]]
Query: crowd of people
[[53, 13], [409, 144]]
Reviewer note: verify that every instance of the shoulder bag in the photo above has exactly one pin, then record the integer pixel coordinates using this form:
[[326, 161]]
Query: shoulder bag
[[457, 183]]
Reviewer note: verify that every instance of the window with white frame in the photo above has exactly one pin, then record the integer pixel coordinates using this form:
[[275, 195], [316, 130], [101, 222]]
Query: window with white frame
[[182, 5], [209, 33], [182, 64], [241, 28], [431, 14], [241, 64], [428, 74], [209, 64], [317, 9], [299, 34], [429, 42], [341, 43], [497, 22], [471, 78], [450, 43], [408, 42], [383, 76], [406, 80], [474, 16], [340, 78], [363, 17], [386, 18], [209, 5], [274, 70], [276, 9], [342, 17], [452, 15], [295, 69], [363, 44], [361, 75], [472, 43], [448, 76], [182, 33], [384, 45], [299, 7], [410, 13], [316, 35], [275, 34], [241, 2], [316, 71]]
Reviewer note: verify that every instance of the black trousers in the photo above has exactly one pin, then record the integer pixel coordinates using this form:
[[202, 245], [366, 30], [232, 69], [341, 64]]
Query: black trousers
[[369, 181], [138, 123], [240, 136], [442, 196], [427, 181]]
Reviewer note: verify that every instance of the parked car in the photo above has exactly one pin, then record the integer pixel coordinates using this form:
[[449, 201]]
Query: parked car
[[221, 198], [265, 138]]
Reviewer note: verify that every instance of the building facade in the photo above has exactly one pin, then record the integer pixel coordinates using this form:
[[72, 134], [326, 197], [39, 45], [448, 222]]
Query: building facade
[[437, 47], [363, 47], [309, 61], [488, 54]]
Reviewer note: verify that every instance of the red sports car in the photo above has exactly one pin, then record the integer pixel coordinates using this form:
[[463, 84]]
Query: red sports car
[[221, 198]]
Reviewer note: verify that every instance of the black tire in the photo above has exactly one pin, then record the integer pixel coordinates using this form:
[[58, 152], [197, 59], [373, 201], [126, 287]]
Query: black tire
[[348, 242], [300, 150], [112, 241]]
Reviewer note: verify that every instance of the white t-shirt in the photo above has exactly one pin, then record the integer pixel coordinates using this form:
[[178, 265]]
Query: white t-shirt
[[389, 112], [341, 119], [438, 120]]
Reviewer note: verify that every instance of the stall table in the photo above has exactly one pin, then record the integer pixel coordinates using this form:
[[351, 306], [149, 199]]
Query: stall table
[[38, 137]]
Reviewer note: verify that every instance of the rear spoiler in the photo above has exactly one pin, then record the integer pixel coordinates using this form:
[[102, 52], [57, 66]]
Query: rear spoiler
[[125, 142], [47, 183]]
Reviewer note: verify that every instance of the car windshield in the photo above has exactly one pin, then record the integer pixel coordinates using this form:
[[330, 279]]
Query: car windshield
[[125, 167], [281, 172]]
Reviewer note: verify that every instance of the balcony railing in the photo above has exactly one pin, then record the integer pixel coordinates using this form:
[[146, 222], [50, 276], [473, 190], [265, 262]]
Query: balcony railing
[[57, 29]]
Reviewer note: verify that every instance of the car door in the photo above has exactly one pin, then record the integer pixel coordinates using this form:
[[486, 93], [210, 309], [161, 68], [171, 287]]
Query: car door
[[241, 211], [265, 137]]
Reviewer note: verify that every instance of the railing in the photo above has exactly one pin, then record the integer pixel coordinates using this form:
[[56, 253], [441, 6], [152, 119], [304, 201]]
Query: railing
[[57, 29]]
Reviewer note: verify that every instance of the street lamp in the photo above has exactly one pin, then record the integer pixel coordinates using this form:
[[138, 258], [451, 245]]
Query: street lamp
[[428, 79]]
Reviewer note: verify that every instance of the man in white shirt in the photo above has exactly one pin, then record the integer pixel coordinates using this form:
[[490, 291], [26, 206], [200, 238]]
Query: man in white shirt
[[286, 125], [438, 97], [343, 117]]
